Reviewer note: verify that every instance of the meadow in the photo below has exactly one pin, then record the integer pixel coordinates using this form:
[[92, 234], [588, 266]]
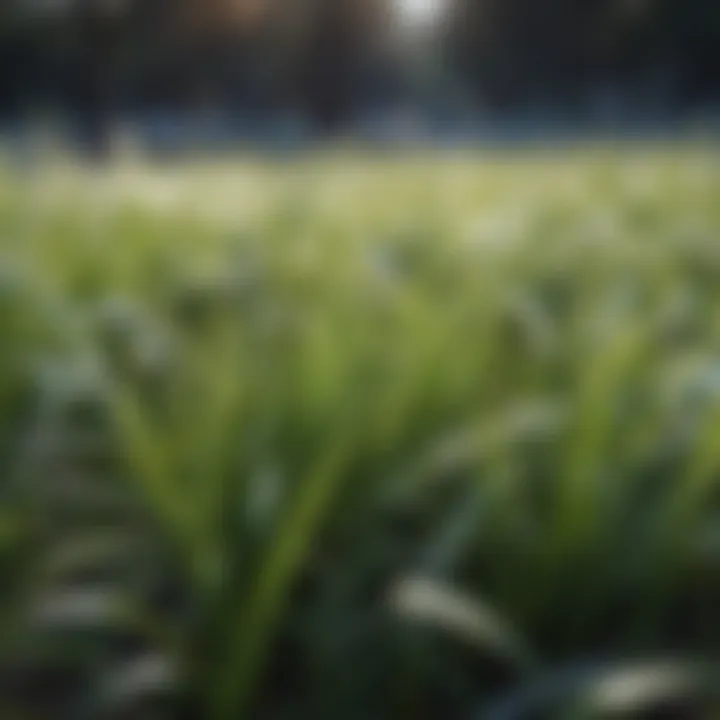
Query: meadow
[[362, 438]]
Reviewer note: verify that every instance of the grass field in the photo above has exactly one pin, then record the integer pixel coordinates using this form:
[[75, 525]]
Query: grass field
[[351, 438]]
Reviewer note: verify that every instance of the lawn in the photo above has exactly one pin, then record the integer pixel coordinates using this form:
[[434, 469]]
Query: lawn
[[353, 437]]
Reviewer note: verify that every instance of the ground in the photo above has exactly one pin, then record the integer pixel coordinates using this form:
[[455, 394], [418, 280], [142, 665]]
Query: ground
[[243, 399]]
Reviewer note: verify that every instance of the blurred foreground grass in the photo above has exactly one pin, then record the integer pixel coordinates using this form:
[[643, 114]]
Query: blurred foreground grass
[[362, 439]]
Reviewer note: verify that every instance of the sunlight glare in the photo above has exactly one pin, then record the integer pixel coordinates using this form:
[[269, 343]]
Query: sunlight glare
[[419, 13]]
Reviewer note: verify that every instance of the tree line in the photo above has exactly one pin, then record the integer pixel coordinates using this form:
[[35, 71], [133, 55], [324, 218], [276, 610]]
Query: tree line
[[330, 58]]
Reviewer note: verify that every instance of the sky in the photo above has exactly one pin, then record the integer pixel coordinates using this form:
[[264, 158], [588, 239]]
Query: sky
[[419, 13]]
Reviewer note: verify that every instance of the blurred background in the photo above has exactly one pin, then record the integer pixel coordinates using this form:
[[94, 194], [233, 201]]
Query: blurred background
[[359, 360], [279, 70]]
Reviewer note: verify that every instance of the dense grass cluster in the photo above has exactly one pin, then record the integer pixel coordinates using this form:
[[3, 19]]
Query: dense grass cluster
[[391, 439]]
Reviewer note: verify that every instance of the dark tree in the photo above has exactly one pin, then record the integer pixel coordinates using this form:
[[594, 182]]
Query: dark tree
[[336, 51], [561, 50], [98, 30]]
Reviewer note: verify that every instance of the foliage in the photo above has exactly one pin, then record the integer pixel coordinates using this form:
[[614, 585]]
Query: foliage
[[336, 60], [413, 438]]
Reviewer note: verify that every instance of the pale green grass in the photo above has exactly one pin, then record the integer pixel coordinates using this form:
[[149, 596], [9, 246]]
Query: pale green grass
[[242, 400]]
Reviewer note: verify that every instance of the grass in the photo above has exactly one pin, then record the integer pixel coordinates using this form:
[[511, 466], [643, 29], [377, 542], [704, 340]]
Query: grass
[[390, 438]]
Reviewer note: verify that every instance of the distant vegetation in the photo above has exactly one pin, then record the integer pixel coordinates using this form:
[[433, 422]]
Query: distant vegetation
[[333, 60]]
